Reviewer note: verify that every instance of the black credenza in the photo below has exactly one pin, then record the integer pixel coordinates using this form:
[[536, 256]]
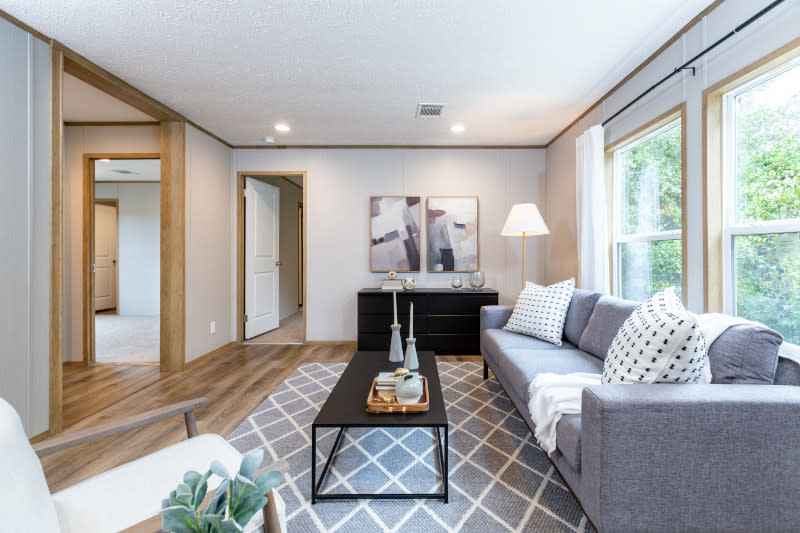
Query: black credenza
[[446, 321]]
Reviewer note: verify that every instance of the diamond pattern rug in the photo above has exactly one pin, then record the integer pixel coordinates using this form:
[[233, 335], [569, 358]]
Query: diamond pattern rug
[[500, 480]]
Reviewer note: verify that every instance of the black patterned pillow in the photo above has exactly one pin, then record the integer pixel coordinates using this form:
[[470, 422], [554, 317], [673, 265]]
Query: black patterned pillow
[[659, 342], [540, 311]]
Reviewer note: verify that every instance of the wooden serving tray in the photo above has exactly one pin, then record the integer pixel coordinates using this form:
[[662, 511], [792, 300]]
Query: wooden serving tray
[[376, 406]]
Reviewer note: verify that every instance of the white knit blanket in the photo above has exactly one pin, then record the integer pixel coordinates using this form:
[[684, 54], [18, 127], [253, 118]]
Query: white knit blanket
[[552, 396]]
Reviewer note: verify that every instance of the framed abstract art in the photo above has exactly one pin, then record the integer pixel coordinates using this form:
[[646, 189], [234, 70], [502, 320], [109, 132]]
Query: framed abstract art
[[394, 233], [452, 233]]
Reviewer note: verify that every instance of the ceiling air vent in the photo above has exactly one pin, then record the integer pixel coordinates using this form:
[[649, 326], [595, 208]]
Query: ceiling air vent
[[429, 110]]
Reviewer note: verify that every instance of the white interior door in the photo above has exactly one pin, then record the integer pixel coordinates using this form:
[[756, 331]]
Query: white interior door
[[105, 257], [262, 203]]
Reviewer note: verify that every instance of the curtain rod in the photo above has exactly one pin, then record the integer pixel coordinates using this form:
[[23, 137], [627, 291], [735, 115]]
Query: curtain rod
[[686, 66]]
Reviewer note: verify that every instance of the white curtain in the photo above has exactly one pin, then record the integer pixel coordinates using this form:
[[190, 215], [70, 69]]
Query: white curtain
[[591, 210]]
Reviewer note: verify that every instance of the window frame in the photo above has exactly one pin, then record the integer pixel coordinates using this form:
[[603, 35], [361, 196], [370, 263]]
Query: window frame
[[719, 230], [662, 123], [730, 228]]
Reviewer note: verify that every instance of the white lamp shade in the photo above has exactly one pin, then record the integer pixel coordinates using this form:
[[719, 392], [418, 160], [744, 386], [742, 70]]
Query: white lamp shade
[[524, 218]]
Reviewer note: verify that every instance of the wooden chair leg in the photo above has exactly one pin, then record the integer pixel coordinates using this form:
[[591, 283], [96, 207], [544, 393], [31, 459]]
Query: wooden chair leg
[[485, 370], [191, 424], [272, 522]]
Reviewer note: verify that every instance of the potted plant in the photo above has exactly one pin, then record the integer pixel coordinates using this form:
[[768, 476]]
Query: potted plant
[[233, 504]]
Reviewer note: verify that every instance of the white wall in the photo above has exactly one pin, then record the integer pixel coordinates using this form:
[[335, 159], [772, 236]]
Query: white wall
[[80, 140], [25, 225], [776, 29], [210, 228], [139, 245], [339, 184], [288, 301]]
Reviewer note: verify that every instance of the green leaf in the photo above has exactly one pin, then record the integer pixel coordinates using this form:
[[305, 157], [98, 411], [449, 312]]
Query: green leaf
[[268, 481], [229, 525], [179, 519], [201, 489], [218, 469], [246, 511], [183, 494], [250, 463], [192, 478]]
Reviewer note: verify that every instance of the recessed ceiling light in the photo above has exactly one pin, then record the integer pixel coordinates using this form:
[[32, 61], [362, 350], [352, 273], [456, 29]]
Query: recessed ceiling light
[[282, 127], [457, 128], [104, 160], [269, 139]]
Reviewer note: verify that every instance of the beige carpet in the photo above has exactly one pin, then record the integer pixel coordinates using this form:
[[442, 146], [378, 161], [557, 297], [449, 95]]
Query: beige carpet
[[126, 339], [289, 331]]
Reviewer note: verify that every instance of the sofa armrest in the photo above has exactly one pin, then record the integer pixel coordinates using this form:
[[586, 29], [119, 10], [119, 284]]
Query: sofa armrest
[[691, 457], [495, 316]]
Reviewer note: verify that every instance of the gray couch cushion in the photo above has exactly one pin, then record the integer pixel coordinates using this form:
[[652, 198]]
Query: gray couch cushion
[[497, 341], [745, 354], [608, 315], [519, 366], [578, 314], [787, 372], [568, 439]]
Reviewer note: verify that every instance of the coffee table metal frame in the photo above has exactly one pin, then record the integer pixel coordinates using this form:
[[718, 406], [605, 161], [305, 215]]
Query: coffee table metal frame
[[345, 408]]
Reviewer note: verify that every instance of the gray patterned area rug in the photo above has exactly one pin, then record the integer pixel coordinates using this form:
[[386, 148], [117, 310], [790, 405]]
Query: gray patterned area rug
[[500, 480]]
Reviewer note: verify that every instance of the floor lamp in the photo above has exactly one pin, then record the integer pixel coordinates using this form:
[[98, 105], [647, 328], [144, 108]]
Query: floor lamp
[[524, 220]]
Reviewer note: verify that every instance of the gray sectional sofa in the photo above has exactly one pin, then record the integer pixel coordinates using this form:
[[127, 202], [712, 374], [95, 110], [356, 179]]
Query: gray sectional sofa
[[718, 457]]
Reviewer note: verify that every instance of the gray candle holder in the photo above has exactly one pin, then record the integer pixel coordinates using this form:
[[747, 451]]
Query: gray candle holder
[[411, 361], [395, 346]]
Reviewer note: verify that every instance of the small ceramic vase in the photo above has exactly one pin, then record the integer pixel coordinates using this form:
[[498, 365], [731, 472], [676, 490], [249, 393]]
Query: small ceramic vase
[[395, 346], [409, 388], [411, 361]]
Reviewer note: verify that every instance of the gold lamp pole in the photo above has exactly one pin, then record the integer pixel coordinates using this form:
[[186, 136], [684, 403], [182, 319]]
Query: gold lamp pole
[[524, 220]]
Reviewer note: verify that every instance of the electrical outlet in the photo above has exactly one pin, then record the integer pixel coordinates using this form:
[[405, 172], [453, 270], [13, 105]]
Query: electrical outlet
[[213, 326]]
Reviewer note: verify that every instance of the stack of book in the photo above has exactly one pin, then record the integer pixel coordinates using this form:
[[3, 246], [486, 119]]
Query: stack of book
[[388, 380]]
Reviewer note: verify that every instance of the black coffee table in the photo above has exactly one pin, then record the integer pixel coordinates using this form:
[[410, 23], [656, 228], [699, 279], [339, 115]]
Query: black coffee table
[[346, 408]]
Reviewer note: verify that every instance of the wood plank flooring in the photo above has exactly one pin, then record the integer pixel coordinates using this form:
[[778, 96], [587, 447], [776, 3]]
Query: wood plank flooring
[[290, 330], [235, 381], [88, 390]]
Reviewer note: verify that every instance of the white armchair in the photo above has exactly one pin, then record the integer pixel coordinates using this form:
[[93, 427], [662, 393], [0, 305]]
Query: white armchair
[[125, 498]]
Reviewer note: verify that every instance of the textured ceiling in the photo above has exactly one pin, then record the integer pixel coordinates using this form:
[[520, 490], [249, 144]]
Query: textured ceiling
[[84, 103], [352, 72]]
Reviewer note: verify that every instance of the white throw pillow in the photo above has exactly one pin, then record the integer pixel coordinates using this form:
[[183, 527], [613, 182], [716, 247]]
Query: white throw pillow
[[659, 342], [540, 311]]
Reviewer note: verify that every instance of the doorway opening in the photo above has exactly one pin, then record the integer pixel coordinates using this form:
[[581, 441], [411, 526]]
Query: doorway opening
[[271, 258], [125, 249]]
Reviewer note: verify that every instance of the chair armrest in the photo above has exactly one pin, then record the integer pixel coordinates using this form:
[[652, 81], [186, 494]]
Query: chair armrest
[[68, 440], [495, 316], [691, 457]]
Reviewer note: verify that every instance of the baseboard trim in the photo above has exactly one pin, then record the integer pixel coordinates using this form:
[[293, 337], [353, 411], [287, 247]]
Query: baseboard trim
[[40, 437], [209, 355], [339, 343], [74, 363]]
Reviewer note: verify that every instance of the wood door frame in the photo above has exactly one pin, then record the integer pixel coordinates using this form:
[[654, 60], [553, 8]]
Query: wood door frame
[[113, 202], [88, 248], [240, 244]]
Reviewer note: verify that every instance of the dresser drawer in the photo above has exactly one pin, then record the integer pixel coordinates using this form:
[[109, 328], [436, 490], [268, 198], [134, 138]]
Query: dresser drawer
[[461, 304], [470, 324]]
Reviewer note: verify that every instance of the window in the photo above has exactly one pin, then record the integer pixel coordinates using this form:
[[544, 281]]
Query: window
[[761, 200], [648, 214]]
